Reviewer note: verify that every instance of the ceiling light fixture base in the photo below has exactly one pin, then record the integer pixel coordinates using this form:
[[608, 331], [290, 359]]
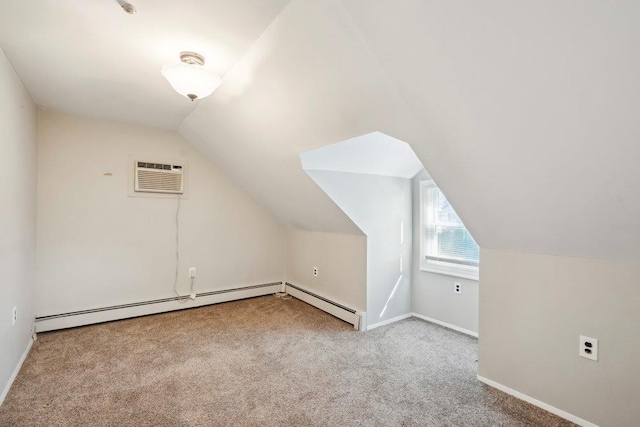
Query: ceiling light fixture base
[[129, 8], [191, 58]]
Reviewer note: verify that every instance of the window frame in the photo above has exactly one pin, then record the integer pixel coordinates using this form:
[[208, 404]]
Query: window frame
[[440, 267]]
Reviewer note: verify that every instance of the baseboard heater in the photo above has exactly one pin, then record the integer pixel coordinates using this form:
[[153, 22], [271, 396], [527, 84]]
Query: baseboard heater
[[143, 308], [340, 311]]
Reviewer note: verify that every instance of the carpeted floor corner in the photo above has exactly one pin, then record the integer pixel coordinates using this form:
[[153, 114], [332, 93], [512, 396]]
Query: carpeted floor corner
[[258, 362]]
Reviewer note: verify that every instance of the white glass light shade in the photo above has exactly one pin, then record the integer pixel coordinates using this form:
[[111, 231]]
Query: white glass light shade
[[192, 81]]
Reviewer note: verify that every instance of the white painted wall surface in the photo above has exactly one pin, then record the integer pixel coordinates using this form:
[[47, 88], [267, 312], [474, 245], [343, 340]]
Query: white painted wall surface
[[18, 174], [432, 294], [341, 260], [378, 205], [533, 309], [98, 247]]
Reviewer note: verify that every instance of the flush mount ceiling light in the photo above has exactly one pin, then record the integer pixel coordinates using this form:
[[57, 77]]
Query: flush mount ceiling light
[[190, 79]]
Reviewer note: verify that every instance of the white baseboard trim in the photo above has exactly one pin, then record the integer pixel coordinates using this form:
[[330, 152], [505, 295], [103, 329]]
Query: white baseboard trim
[[446, 325], [386, 322], [536, 402], [7, 387], [107, 314], [325, 304]]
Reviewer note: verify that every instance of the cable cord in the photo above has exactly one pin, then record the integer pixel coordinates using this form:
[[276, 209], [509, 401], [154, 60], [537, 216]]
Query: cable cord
[[175, 280], [282, 295]]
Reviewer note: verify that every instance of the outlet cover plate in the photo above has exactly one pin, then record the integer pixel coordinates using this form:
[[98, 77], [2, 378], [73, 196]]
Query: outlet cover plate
[[589, 348], [457, 287]]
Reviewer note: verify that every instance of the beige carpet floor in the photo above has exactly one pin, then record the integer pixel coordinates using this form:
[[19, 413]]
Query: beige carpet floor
[[263, 362]]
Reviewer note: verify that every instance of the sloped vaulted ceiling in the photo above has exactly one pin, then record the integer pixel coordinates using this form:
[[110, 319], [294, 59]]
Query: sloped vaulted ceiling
[[372, 154], [309, 81], [533, 109], [525, 113]]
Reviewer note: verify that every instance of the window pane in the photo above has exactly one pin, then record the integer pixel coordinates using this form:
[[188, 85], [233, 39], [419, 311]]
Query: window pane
[[446, 238]]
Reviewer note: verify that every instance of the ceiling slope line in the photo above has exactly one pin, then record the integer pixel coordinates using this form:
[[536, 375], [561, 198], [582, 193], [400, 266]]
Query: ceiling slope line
[[239, 62], [318, 85]]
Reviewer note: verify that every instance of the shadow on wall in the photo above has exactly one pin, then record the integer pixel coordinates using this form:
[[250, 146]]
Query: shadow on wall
[[369, 178]]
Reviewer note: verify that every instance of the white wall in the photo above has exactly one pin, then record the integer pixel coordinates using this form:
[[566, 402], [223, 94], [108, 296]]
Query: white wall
[[534, 307], [18, 120], [378, 205], [341, 260], [432, 294], [98, 247]]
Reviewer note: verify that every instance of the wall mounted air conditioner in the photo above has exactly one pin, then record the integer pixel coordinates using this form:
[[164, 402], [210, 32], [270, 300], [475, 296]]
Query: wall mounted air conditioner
[[158, 178]]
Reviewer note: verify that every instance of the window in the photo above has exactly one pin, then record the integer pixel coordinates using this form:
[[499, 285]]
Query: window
[[446, 245]]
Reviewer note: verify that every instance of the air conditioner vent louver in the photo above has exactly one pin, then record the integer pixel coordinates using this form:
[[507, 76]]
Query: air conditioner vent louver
[[158, 178]]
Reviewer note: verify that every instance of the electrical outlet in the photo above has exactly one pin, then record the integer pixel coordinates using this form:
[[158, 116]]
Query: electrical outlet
[[315, 271], [14, 316], [589, 348], [457, 287], [192, 272]]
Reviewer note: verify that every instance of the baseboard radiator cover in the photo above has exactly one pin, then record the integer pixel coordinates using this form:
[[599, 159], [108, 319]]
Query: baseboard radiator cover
[[143, 308], [342, 312]]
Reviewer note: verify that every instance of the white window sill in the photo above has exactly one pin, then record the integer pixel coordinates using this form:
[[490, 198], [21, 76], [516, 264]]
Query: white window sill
[[452, 270]]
